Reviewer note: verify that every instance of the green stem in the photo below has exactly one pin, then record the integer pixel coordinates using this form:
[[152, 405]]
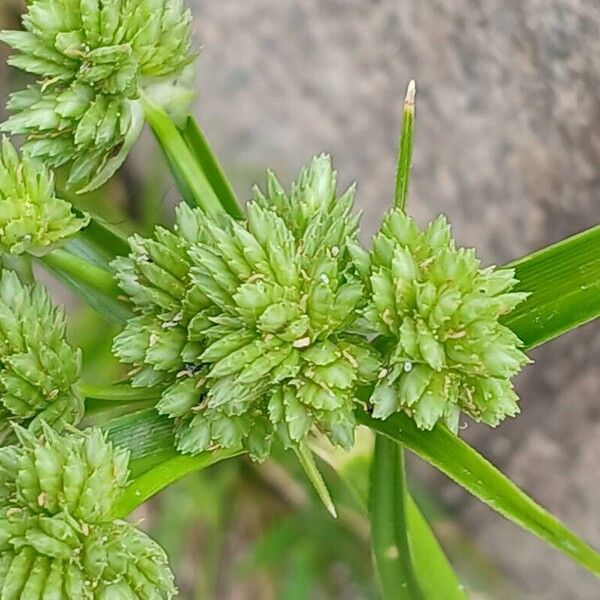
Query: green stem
[[181, 157], [405, 150], [198, 144], [389, 526], [83, 271], [118, 392], [159, 477]]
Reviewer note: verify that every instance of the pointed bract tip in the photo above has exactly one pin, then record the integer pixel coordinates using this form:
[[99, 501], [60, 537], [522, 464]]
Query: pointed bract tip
[[411, 92]]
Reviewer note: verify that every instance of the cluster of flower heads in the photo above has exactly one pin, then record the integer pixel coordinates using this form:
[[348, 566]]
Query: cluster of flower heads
[[437, 313], [58, 538], [32, 218], [94, 58], [249, 323], [38, 368], [271, 325]]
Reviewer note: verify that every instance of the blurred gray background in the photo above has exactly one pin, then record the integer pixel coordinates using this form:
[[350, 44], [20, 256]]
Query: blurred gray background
[[507, 145]]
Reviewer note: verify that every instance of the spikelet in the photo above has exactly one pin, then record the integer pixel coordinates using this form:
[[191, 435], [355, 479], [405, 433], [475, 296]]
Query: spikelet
[[32, 218], [38, 368]]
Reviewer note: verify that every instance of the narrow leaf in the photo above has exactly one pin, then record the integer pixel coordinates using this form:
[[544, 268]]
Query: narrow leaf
[[181, 159], [208, 162], [389, 527], [163, 474], [405, 148], [564, 283], [434, 573], [307, 461], [100, 292]]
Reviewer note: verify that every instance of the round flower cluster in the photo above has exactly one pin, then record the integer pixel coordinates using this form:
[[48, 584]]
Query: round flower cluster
[[248, 323], [38, 368], [437, 313], [57, 536], [32, 218], [94, 59]]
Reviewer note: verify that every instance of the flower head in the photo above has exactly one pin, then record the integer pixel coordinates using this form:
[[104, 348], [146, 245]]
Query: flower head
[[57, 536], [438, 314], [248, 322], [38, 368], [94, 59], [32, 218]]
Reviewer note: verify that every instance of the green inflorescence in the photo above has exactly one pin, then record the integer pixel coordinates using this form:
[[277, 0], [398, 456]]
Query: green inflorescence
[[38, 368], [94, 59], [249, 324], [32, 218], [437, 314], [57, 536], [269, 326]]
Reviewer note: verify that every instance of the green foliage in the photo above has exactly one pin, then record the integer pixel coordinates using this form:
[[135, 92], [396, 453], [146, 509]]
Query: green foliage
[[93, 60], [57, 538], [39, 370], [32, 218], [438, 311], [248, 322]]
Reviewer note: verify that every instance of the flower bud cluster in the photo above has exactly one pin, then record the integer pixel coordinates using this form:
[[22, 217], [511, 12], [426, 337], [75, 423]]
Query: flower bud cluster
[[38, 368], [249, 323], [93, 59], [437, 312], [57, 536]]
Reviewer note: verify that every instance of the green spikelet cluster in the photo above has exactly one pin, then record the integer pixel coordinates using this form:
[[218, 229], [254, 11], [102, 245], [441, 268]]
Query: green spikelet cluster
[[247, 322], [57, 536], [32, 218], [93, 58], [38, 368], [437, 312]]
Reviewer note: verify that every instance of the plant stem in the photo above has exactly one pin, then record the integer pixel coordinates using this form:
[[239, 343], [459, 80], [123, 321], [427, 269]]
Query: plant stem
[[198, 144], [181, 158], [118, 392], [83, 271], [389, 525], [405, 148]]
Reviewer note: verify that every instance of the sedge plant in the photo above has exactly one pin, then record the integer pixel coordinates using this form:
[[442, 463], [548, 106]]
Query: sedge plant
[[242, 328]]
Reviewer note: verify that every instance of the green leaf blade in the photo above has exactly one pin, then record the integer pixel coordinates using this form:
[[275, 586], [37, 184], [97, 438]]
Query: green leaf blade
[[434, 573], [564, 285], [389, 528], [469, 469], [208, 162]]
